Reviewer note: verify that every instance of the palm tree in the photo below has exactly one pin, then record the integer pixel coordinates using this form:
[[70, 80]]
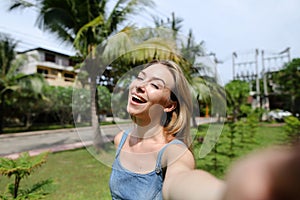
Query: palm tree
[[89, 26], [85, 24], [174, 23], [7, 54], [11, 80]]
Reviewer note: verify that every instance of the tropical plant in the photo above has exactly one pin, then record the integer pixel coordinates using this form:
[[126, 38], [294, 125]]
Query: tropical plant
[[237, 92], [104, 99], [61, 103], [288, 81], [207, 90], [85, 25], [174, 23], [20, 168], [189, 51], [12, 80], [88, 25], [292, 128]]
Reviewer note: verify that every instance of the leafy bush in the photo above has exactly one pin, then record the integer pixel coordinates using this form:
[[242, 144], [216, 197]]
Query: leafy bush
[[292, 127]]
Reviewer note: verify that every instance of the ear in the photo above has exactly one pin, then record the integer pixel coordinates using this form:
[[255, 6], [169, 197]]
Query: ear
[[170, 106]]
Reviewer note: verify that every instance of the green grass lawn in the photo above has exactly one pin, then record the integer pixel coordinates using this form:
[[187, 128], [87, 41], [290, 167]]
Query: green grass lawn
[[219, 159], [77, 175]]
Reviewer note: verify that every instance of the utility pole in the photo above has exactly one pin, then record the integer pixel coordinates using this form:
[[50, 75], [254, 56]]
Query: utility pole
[[287, 52], [257, 80], [234, 55], [244, 71], [248, 71], [272, 65], [266, 104], [216, 61]]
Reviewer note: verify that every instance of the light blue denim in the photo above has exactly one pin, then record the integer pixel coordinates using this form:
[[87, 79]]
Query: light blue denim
[[127, 185]]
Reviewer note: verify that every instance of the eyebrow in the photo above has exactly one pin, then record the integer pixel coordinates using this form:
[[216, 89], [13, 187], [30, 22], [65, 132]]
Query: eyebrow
[[154, 78]]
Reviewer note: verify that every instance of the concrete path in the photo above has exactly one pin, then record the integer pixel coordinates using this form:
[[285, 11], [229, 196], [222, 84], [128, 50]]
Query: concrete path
[[35, 142], [11, 145]]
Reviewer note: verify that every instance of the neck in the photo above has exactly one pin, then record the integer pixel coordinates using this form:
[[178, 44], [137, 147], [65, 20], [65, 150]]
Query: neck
[[150, 131]]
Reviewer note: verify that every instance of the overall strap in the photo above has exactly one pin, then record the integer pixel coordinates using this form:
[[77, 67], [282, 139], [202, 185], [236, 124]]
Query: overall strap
[[160, 153], [123, 139]]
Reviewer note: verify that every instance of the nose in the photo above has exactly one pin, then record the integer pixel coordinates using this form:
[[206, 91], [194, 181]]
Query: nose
[[140, 87]]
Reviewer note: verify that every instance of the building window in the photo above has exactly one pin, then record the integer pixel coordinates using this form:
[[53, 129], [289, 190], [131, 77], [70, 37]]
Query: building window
[[47, 73], [42, 71], [54, 72], [69, 77], [49, 57]]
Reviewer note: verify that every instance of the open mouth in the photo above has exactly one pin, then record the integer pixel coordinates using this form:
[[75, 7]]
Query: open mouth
[[138, 99]]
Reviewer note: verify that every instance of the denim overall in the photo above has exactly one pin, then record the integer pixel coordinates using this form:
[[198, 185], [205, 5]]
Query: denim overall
[[127, 185]]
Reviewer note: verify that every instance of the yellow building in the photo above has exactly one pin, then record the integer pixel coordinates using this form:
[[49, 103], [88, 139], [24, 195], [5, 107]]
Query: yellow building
[[57, 68]]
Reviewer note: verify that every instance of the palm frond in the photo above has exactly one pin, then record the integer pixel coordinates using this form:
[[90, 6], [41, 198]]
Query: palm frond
[[123, 8], [7, 53], [81, 34], [20, 4]]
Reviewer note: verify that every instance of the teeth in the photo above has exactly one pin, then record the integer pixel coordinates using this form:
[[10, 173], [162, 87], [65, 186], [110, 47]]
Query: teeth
[[138, 98]]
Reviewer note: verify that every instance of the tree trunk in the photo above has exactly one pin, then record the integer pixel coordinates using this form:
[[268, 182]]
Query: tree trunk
[[98, 139], [206, 111], [293, 100], [17, 184], [194, 120], [28, 120], [1, 113]]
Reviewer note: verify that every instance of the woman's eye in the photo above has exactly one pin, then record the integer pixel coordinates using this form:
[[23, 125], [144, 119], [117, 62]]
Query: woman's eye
[[139, 78], [155, 86]]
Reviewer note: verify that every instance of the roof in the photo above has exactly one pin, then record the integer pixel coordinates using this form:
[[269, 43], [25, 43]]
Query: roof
[[46, 50]]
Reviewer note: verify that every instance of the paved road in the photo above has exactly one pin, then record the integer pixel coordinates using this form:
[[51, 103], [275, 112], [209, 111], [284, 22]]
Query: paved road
[[57, 140], [54, 140]]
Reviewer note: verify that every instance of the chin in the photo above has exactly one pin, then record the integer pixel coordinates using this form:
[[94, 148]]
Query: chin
[[132, 112]]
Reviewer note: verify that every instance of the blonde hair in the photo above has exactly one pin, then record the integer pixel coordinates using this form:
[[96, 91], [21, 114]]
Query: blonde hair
[[177, 123]]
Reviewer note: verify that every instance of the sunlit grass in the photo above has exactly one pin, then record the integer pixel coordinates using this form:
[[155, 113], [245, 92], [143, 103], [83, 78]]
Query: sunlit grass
[[77, 175], [218, 162]]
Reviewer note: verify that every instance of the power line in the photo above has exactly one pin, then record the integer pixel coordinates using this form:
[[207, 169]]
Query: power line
[[9, 30]]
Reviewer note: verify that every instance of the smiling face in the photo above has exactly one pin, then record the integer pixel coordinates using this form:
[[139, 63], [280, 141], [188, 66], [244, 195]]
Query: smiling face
[[149, 94]]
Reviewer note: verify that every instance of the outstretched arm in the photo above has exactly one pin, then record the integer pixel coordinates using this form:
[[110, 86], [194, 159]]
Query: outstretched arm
[[182, 181]]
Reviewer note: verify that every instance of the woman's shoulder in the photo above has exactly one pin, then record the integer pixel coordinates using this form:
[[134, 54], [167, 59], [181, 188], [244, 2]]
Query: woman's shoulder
[[178, 152], [118, 138]]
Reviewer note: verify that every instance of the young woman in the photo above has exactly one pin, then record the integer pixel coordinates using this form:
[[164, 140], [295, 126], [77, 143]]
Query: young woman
[[154, 161]]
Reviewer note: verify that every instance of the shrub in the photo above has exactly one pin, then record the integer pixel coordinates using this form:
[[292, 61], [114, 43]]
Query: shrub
[[292, 127]]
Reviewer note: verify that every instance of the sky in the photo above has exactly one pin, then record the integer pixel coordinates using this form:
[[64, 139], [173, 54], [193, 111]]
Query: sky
[[225, 26]]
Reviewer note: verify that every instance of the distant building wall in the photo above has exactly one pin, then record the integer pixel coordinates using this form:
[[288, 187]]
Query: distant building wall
[[55, 67]]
